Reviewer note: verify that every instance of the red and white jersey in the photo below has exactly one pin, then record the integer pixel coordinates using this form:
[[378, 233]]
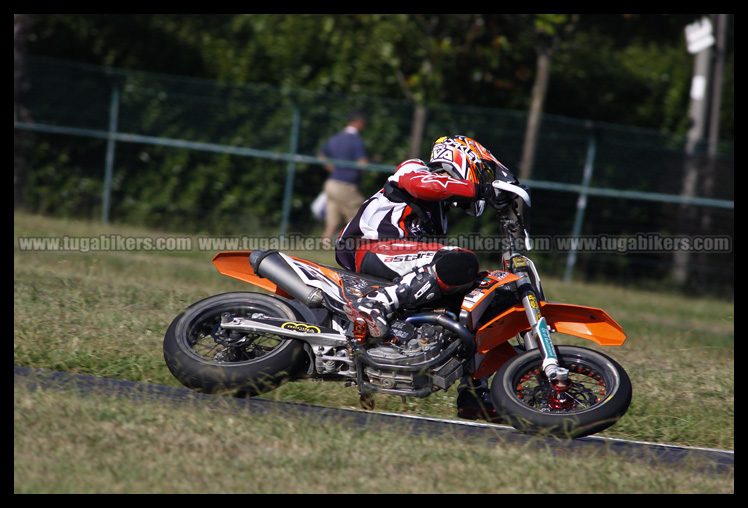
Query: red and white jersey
[[387, 216]]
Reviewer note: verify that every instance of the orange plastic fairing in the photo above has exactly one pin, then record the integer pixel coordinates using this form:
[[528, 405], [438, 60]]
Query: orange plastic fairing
[[236, 264], [585, 322], [494, 359]]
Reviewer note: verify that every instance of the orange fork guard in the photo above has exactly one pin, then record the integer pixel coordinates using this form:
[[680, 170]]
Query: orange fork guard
[[585, 322]]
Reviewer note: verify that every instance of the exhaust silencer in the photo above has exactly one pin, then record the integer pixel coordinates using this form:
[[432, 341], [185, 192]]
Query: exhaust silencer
[[268, 263]]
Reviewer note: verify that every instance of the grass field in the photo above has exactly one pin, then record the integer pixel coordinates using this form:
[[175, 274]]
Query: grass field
[[104, 313]]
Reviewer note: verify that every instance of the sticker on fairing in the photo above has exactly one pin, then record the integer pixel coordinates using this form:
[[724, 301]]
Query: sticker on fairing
[[545, 339], [300, 327]]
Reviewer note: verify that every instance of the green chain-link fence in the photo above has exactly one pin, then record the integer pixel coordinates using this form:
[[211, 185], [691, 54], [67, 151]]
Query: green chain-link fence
[[224, 159]]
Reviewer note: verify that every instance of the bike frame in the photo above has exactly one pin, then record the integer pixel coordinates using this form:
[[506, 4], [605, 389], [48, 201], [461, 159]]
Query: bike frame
[[533, 319]]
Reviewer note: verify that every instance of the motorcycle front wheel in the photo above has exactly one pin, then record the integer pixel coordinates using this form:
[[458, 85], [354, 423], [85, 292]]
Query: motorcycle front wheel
[[599, 395], [204, 357]]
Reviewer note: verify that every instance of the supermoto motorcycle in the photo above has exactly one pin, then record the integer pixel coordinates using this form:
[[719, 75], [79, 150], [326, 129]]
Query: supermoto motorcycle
[[249, 342]]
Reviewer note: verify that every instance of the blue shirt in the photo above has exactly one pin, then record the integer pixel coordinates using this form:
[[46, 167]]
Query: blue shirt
[[345, 145]]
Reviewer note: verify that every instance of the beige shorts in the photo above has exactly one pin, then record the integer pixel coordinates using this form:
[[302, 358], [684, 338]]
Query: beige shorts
[[343, 201]]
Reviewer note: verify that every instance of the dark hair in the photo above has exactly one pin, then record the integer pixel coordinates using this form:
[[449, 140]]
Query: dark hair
[[355, 114]]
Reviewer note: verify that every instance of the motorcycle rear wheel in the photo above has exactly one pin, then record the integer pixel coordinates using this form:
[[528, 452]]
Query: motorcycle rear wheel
[[599, 396], [204, 357]]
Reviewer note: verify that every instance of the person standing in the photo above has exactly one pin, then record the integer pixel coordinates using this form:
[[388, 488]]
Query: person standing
[[342, 187]]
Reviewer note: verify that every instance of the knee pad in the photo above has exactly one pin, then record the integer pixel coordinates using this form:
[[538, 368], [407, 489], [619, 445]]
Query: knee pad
[[455, 269]]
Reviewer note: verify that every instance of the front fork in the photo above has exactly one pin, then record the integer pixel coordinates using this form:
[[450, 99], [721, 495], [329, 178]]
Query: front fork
[[539, 335]]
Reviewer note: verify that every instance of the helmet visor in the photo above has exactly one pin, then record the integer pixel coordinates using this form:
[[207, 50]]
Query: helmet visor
[[487, 171]]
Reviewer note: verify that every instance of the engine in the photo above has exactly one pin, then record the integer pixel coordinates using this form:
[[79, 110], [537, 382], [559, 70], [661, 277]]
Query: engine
[[414, 362], [410, 345]]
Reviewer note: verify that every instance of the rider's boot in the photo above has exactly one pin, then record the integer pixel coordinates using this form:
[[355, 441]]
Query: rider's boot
[[474, 401], [377, 308]]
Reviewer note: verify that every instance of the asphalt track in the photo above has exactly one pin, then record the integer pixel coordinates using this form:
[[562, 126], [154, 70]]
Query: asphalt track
[[708, 460]]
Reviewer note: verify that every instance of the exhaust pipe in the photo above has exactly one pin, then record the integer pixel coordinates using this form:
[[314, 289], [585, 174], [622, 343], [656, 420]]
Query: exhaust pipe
[[269, 264]]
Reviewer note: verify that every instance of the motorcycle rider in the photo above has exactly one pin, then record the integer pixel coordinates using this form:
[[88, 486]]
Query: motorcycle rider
[[388, 237]]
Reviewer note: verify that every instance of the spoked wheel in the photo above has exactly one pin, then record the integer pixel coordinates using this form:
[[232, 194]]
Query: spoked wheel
[[205, 357], [598, 394]]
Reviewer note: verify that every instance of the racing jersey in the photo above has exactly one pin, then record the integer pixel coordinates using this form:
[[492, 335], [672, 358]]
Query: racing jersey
[[413, 203]]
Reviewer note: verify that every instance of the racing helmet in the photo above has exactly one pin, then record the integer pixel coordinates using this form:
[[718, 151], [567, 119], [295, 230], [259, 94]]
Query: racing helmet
[[465, 159]]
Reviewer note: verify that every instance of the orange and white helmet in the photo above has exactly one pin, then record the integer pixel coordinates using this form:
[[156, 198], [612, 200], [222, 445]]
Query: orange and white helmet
[[465, 159]]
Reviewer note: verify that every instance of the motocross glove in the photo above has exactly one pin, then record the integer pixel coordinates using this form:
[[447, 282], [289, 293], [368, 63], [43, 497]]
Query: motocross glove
[[494, 197]]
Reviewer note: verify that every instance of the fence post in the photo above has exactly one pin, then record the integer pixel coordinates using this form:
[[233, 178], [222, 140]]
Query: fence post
[[571, 258], [290, 172], [110, 146]]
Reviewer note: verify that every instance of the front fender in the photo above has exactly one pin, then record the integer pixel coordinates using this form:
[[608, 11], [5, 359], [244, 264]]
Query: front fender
[[586, 322]]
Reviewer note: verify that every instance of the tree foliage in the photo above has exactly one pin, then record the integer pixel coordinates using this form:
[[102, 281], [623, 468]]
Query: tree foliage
[[629, 69], [623, 69]]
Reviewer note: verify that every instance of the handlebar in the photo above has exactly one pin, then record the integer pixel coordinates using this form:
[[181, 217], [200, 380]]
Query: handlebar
[[516, 189], [512, 226]]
